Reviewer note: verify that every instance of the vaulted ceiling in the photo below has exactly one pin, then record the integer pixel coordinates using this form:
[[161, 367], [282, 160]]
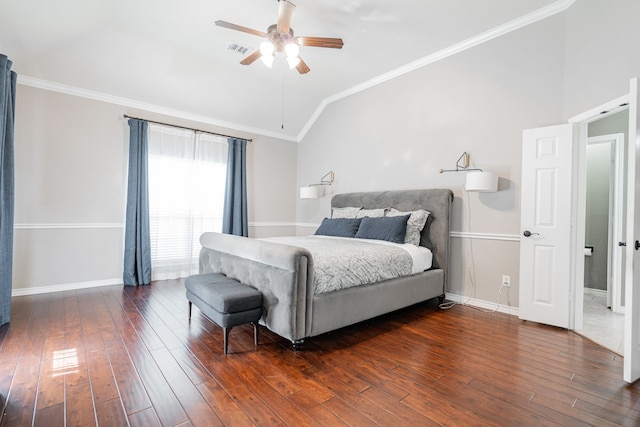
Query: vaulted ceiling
[[169, 56]]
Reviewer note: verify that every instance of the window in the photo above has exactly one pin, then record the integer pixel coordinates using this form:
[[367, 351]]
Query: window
[[187, 175]]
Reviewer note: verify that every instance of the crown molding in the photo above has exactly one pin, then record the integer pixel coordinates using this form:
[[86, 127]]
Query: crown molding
[[515, 24], [132, 103], [500, 30]]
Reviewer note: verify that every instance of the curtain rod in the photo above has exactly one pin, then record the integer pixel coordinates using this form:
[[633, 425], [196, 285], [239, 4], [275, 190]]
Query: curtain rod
[[185, 127]]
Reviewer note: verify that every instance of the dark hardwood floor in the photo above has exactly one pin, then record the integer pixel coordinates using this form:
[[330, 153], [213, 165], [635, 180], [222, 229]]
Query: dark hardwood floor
[[117, 356]]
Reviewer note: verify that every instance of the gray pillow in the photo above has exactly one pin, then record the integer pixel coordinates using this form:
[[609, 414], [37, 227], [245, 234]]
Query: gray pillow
[[391, 229], [339, 227], [416, 223]]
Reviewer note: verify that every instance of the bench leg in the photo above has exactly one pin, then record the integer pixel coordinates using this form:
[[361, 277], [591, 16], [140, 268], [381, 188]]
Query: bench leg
[[225, 339], [255, 333], [189, 309]]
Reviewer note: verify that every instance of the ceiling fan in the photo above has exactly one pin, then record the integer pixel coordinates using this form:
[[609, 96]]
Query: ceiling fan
[[279, 38]]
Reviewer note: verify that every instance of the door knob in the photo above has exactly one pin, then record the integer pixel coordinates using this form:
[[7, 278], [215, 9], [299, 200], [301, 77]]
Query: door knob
[[527, 233], [637, 245]]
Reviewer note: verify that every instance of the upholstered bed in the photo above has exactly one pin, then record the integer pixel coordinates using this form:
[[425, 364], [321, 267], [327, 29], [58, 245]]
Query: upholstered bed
[[285, 273]]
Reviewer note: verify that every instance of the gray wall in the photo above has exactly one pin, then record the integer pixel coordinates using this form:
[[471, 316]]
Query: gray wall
[[71, 162], [400, 133], [597, 215]]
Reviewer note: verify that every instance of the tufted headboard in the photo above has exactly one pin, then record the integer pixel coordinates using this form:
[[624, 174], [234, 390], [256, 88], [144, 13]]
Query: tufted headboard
[[435, 234]]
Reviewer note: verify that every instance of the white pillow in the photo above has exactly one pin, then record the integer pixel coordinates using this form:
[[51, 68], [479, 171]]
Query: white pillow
[[415, 224], [349, 212], [371, 213]]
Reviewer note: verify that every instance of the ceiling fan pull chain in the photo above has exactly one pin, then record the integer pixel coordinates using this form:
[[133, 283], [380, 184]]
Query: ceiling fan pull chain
[[282, 112]]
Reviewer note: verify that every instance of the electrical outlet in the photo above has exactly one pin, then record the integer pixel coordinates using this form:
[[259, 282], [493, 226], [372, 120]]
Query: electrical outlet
[[506, 281]]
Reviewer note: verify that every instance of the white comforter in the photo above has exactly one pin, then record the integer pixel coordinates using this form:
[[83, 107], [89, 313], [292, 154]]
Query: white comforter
[[340, 263]]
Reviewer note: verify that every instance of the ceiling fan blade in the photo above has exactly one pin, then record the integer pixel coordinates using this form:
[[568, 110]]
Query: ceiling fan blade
[[285, 15], [240, 28], [249, 59], [302, 67], [333, 43]]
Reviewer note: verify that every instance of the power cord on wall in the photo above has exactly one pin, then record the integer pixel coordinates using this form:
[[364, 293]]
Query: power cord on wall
[[471, 266]]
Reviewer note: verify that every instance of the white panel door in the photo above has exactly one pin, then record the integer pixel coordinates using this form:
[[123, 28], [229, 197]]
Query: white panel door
[[545, 242], [632, 282]]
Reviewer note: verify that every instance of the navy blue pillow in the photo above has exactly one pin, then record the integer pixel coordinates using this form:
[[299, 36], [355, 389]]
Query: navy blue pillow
[[339, 227], [389, 228]]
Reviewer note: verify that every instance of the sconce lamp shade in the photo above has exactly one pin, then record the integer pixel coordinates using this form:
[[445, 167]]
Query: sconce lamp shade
[[311, 192], [481, 181]]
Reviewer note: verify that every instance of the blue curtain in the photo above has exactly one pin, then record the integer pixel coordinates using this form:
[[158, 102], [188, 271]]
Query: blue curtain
[[137, 242], [8, 80], [234, 220]]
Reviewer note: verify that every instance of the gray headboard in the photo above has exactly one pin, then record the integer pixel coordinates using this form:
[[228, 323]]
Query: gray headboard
[[435, 235]]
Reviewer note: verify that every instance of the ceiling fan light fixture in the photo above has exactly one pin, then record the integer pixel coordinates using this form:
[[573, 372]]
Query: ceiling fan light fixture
[[267, 60], [293, 61], [267, 48], [292, 50], [280, 38]]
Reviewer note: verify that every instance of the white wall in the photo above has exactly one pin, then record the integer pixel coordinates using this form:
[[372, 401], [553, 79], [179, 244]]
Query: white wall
[[71, 172], [398, 134], [601, 52]]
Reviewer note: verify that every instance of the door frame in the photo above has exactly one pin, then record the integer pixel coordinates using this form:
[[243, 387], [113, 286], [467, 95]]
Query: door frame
[[579, 197]]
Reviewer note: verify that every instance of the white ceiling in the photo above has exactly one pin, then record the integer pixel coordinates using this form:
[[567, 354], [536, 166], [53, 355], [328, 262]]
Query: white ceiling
[[170, 55]]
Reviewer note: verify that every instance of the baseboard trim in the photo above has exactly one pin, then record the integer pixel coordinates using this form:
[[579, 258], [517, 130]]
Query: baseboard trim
[[65, 287], [485, 305], [596, 292]]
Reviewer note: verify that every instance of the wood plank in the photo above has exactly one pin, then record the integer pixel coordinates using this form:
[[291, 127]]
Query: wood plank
[[223, 405], [111, 413], [21, 398], [253, 407], [132, 392], [317, 413], [146, 418], [79, 405], [162, 396], [49, 416], [200, 413]]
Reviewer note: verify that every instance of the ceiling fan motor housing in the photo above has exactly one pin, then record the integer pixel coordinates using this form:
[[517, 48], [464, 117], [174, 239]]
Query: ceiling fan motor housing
[[278, 39]]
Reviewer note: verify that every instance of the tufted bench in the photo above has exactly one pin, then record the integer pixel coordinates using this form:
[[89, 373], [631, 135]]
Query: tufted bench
[[225, 301]]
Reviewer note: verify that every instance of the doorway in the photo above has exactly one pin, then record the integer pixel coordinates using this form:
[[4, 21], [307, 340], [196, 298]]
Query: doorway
[[603, 308], [574, 135]]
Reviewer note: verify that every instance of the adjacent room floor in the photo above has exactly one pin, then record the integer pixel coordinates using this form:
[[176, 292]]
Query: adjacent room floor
[[601, 324]]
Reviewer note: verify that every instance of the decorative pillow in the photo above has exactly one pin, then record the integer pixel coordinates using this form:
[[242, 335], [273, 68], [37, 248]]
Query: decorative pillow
[[371, 213], [339, 227], [415, 224], [345, 212], [392, 229]]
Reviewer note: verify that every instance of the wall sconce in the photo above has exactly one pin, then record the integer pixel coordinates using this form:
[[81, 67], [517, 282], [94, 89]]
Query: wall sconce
[[314, 191], [476, 179]]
